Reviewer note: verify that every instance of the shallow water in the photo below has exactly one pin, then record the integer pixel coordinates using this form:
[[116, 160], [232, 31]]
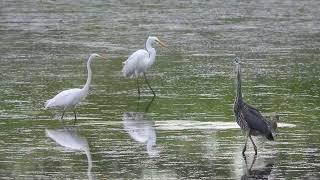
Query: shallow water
[[188, 131]]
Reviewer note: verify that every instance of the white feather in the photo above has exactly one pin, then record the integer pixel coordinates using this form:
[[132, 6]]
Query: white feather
[[67, 99], [136, 64]]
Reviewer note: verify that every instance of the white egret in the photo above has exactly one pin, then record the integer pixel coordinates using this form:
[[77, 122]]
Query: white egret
[[141, 60], [69, 99]]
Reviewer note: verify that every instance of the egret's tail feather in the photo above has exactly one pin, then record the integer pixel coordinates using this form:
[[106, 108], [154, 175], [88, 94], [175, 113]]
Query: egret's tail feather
[[127, 72], [47, 104]]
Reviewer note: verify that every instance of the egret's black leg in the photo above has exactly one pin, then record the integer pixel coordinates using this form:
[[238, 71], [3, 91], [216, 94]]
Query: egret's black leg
[[138, 104], [75, 117], [145, 77], [254, 146], [138, 88], [62, 115], [245, 144], [149, 104]]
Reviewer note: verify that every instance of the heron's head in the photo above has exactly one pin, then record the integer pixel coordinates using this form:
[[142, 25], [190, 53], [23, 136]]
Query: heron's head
[[237, 60], [154, 39]]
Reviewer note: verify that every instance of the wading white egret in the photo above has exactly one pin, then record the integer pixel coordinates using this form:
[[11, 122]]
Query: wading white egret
[[69, 99], [141, 60]]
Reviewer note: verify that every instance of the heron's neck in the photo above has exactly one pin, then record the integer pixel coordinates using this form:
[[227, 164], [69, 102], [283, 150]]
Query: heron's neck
[[87, 85], [152, 53], [239, 93]]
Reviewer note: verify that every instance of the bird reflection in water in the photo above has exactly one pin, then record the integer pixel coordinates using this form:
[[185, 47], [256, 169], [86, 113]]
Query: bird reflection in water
[[141, 128], [70, 139], [257, 173]]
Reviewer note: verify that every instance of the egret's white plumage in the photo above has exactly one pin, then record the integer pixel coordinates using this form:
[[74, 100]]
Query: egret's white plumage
[[141, 60], [69, 99], [137, 63]]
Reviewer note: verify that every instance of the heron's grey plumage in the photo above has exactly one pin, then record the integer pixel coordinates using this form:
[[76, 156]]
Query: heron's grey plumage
[[249, 118]]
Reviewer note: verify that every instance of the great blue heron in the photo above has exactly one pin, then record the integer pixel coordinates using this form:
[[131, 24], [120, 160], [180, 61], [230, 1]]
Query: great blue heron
[[249, 118]]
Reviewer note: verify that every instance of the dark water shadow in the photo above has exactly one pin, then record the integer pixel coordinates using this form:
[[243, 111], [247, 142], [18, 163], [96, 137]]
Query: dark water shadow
[[253, 171], [141, 128], [71, 140]]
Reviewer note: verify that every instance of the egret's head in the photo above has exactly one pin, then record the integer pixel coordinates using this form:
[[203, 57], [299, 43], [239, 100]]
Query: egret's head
[[154, 39], [94, 55]]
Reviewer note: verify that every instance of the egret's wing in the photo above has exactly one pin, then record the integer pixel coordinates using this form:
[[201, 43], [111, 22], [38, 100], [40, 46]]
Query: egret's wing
[[63, 98], [134, 62]]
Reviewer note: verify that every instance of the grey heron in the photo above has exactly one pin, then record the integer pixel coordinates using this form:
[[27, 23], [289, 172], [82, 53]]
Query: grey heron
[[249, 118]]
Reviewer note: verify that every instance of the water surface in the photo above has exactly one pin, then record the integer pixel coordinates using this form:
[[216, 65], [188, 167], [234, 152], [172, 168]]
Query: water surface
[[188, 131]]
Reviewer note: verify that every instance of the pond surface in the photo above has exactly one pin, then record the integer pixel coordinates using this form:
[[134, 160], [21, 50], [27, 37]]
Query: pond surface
[[188, 131]]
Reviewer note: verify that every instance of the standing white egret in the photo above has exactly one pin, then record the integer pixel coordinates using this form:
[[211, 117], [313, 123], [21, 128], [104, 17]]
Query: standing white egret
[[140, 61], [69, 99]]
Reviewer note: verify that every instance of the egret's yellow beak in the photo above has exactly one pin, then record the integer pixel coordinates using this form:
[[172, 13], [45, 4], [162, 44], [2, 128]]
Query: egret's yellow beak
[[102, 56], [161, 43]]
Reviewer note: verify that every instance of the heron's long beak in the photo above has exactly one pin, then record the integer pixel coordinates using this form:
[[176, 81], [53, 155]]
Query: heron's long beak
[[161, 43]]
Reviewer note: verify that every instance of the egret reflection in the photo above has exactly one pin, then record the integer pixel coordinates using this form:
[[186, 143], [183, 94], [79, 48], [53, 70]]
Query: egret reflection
[[262, 172], [141, 128], [70, 139]]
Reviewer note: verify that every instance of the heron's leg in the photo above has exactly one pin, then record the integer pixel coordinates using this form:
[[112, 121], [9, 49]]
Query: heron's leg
[[254, 146], [145, 77], [253, 161], [247, 170], [245, 160], [245, 144], [62, 114], [75, 116]]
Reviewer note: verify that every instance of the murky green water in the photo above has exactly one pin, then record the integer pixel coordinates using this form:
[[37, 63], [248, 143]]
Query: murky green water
[[189, 131]]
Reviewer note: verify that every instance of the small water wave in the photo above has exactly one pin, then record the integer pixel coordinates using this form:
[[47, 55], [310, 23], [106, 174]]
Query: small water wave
[[185, 125]]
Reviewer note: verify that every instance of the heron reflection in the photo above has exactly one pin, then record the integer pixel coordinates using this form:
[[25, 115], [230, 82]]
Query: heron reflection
[[257, 173], [70, 139], [141, 128]]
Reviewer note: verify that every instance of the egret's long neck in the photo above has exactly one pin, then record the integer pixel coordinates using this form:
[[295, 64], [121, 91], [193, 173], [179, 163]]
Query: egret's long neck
[[239, 93], [151, 51], [87, 85]]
